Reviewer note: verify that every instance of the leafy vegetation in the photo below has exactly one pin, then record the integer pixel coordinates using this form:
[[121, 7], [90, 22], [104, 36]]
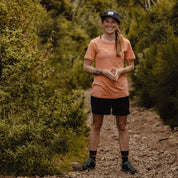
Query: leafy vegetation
[[38, 121], [156, 75], [42, 120]]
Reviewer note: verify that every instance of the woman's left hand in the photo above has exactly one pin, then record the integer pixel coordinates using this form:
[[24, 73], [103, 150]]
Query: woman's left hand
[[117, 72]]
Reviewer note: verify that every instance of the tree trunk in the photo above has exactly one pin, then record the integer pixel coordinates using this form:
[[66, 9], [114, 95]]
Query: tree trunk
[[153, 2], [142, 4], [146, 4], [149, 4]]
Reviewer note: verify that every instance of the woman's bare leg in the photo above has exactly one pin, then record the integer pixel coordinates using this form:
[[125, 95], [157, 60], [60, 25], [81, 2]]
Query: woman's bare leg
[[121, 122], [95, 131]]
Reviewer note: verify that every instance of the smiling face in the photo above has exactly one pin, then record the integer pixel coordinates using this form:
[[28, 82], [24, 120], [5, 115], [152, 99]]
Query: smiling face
[[110, 25]]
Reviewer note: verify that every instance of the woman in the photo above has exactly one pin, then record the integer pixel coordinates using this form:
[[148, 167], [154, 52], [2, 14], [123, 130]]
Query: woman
[[110, 86]]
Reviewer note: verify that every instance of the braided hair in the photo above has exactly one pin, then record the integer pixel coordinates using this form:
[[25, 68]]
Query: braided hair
[[118, 42]]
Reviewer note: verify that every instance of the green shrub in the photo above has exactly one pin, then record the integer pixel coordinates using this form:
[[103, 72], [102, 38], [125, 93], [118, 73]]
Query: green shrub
[[38, 122], [30, 140], [166, 73], [156, 79]]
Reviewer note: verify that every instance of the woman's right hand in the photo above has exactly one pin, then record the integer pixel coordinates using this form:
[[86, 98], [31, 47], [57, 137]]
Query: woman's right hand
[[109, 74]]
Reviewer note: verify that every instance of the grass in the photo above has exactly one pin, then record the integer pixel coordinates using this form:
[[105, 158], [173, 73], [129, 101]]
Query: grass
[[78, 151]]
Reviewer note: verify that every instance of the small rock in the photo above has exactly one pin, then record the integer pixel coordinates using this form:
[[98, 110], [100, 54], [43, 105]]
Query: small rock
[[72, 174], [136, 158], [148, 168], [174, 168], [76, 166], [115, 137]]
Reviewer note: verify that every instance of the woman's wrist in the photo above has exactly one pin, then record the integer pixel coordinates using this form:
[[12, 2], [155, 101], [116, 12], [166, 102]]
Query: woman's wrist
[[126, 70], [99, 71]]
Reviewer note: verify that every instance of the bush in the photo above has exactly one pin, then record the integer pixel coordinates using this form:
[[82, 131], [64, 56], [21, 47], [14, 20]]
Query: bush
[[165, 89], [157, 77], [38, 122], [154, 79], [30, 140]]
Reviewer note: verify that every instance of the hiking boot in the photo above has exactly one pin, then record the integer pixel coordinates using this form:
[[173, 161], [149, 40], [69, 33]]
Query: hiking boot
[[89, 164], [128, 168]]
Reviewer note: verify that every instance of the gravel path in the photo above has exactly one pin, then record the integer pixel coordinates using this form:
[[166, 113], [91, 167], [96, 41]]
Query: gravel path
[[153, 147]]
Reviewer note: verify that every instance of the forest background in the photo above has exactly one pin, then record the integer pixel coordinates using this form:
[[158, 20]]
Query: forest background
[[42, 43]]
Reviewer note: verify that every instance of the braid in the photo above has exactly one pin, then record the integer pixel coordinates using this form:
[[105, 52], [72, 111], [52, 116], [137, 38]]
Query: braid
[[118, 42]]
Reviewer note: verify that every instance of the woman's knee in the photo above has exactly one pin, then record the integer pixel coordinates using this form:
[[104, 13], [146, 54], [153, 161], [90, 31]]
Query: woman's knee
[[97, 123], [121, 126], [121, 122], [97, 128]]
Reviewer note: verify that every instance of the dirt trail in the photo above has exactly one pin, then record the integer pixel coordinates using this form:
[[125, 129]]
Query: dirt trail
[[153, 147]]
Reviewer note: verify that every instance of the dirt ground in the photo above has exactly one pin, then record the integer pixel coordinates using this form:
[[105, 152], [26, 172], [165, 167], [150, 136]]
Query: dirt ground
[[153, 147]]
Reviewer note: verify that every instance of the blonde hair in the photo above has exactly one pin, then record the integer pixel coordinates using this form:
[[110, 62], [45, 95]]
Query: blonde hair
[[118, 42]]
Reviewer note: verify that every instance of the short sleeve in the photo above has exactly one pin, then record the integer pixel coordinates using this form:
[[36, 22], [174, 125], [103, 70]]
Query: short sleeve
[[91, 51], [129, 54]]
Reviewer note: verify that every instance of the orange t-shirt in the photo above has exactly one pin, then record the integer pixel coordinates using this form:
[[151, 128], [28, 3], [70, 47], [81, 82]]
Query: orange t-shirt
[[104, 54]]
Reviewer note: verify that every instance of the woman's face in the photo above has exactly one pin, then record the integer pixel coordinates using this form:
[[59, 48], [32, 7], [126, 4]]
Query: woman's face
[[110, 25]]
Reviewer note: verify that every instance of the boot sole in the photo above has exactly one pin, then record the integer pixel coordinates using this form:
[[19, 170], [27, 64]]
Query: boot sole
[[88, 168]]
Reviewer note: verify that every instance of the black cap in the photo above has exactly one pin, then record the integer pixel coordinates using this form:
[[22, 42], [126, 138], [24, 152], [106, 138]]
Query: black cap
[[111, 13]]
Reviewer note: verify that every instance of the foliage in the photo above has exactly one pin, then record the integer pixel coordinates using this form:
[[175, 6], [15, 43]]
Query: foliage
[[31, 141], [37, 121], [42, 118], [155, 76], [167, 64], [59, 7]]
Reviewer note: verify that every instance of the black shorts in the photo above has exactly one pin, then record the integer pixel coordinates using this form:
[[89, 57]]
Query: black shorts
[[103, 106]]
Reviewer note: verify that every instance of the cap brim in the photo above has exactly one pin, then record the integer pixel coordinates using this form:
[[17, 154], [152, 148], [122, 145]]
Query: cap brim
[[103, 16]]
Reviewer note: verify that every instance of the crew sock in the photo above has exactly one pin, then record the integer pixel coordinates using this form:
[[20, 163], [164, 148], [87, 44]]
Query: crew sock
[[93, 154], [125, 155]]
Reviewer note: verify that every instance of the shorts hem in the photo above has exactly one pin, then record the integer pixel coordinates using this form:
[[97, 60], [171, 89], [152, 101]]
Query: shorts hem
[[114, 114], [101, 113], [120, 114]]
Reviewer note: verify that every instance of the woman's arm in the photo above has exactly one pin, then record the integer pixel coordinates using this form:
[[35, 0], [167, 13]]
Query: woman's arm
[[125, 70], [87, 67], [129, 67]]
